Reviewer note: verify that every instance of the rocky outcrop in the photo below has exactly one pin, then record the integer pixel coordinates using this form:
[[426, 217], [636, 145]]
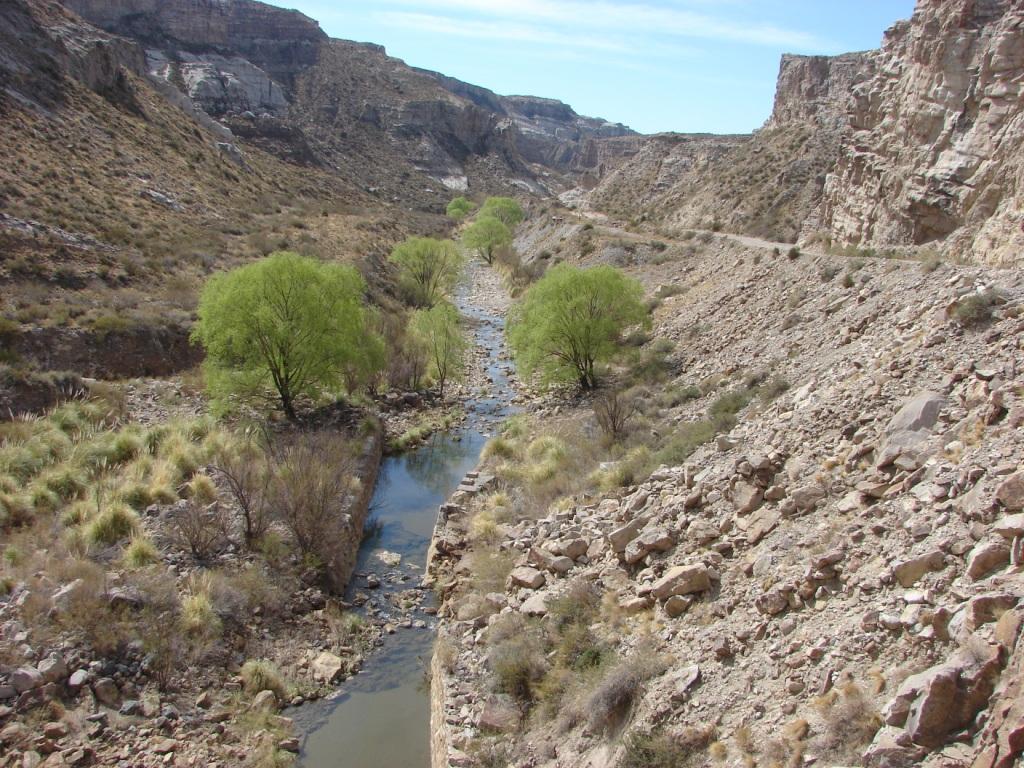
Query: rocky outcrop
[[817, 89], [938, 136], [281, 42]]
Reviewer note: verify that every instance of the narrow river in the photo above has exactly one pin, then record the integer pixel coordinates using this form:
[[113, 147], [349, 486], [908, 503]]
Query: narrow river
[[381, 718]]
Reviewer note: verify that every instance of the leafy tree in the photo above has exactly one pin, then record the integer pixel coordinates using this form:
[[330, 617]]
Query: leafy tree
[[573, 318], [286, 324], [440, 332], [428, 269], [459, 208], [504, 209], [485, 236]]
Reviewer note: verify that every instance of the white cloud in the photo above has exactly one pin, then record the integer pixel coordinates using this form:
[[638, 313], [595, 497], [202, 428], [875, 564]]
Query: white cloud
[[617, 17]]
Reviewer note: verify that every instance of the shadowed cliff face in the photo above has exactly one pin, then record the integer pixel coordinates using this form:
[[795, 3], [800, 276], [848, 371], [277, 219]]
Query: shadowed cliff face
[[340, 103], [935, 153]]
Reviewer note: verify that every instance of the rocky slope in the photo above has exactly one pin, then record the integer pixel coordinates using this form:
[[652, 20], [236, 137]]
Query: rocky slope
[[834, 580], [938, 135]]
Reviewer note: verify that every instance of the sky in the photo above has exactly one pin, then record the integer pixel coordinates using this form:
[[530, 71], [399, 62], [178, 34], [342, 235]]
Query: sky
[[656, 65]]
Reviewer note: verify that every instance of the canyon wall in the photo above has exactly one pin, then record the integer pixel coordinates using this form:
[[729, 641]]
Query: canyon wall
[[937, 136]]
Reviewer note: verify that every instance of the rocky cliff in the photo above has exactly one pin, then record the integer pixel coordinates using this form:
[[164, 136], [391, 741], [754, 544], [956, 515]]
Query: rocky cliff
[[817, 89], [767, 184], [938, 136]]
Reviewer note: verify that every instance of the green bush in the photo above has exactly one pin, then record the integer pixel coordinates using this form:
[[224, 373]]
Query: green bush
[[976, 310]]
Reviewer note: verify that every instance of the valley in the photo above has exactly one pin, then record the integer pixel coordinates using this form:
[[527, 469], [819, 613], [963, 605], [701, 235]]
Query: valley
[[612, 450]]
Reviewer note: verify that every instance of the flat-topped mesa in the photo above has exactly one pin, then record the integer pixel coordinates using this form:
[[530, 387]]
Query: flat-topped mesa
[[281, 42], [817, 89]]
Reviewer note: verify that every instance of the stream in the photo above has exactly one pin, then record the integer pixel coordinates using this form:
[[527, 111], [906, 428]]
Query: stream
[[380, 718]]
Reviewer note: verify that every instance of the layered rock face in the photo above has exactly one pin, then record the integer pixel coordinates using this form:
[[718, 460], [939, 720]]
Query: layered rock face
[[817, 89], [281, 42], [938, 136]]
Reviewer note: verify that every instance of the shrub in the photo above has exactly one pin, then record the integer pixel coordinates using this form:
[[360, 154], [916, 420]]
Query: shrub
[[459, 208], [772, 389], [614, 695], [140, 552], [112, 524], [66, 482], [428, 269], [498, 447], [614, 411], [288, 324], [828, 272], [793, 253], [202, 531], [518, 665], [653, 750], [201, 489], [723, 410], [976, 309], [572, 319], [261, 675], [198, 618]]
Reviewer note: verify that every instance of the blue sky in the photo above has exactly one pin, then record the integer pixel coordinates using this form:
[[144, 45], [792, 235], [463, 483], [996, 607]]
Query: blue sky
[[657, 65]]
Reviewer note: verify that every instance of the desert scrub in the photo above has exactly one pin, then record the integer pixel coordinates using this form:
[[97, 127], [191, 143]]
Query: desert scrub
[[114, 523], [849, 719], [976, 310], [139, 553], [662, 750], [610, 700], [262, 675]]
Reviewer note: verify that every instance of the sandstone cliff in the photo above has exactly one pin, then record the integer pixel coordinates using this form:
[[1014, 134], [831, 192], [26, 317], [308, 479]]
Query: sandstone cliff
[[938, 136]]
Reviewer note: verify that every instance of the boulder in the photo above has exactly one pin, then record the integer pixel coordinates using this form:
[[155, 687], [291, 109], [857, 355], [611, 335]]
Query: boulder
[[986, 557], [677, 605], [264, 701], [327, 667], [806, 497], [892, 748], [909, 571], [535, 605], [106, 692], [746, 497], [920, 413], [53, 669], [500, 714], [682, 580], [651, 540], [1010, 526], [26, 679], [526, 577], [621, 536], [1011, 492]]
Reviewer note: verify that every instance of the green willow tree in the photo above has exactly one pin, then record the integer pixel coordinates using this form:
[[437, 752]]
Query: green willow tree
[[571, 319], [459, 208], [428, 269], [284, 327], [439, 331], [485, 236], [504, 209]]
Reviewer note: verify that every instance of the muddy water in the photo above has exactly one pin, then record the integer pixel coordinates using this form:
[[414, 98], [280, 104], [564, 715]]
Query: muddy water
[[380, 718]]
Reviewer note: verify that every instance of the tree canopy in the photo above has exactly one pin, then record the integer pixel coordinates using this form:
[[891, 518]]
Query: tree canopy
[[428, 269], [571, 319], [439, 331], [459, 208], [485, 236], [284, 327], [504, 209]]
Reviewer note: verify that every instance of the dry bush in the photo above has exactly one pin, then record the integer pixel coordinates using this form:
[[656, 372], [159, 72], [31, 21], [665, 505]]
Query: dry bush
[[614, 411], [849, 719], [247, 478], [615, 693], [314, 477], [203, 531]]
